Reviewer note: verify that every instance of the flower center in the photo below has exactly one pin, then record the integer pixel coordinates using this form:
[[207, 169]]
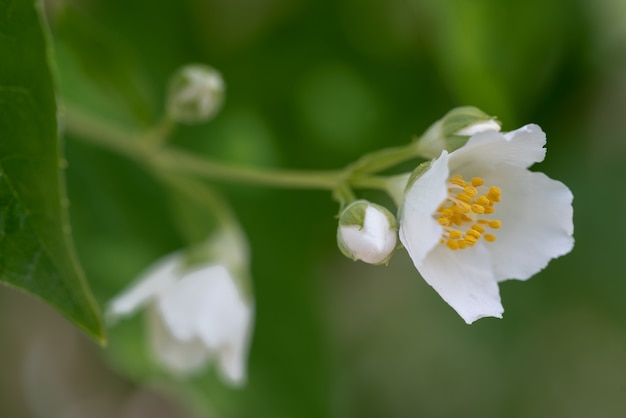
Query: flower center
[[462, 214]]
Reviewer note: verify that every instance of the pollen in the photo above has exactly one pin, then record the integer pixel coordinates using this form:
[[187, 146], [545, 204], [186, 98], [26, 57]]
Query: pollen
[[464, 197], [452, 244], [470, 191], [495, 224], [479, 209], [477, 181], [455, 234], [466, 213]]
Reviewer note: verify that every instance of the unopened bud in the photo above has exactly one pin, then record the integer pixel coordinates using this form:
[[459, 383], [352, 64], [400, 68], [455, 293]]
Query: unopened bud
[[454, 129], [196, 93], [367, 232]]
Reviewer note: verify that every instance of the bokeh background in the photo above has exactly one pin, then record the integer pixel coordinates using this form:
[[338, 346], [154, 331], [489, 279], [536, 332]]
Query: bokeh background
[[315, 84]]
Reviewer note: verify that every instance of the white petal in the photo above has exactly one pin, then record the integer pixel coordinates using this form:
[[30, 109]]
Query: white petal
[[190, 303], [464, 280], [522, 147], [232, 365], [536, 214], [207, 305], [419, 231], [223, 305], [156, 278], [177, 356], [233, 357]]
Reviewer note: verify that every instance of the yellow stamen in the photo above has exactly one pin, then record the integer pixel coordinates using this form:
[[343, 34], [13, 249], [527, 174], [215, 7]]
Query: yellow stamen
[[476, 208], [470, 240], [494, 194], [477, 181], [462, 214], [489, 237], [495, 224], [458, 180], [455, 234], [452, 244], [463, 197], [444, 221], [462, 207], [470, 191]]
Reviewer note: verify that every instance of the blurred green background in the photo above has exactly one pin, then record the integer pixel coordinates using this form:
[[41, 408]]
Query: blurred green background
[[315, 84]]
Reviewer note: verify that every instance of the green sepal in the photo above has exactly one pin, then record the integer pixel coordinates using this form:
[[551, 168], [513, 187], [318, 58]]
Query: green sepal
[[448, 132], [417, 173], [460, 118], [354, 214]]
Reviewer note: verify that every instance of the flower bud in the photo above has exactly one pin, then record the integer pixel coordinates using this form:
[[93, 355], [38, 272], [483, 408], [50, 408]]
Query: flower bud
[[454, 129], [367, 232], [196, 93]]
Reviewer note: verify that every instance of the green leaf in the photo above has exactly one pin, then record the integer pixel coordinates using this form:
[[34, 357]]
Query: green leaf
[[36, 247]]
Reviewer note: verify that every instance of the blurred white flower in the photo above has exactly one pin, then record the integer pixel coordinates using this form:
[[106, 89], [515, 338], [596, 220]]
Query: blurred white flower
[[194, 315], [367, 232], [478, 216]]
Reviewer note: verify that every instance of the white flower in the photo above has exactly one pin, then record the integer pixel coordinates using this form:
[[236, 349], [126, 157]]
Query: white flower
[[367, 232], [194, 315], [478, 216]]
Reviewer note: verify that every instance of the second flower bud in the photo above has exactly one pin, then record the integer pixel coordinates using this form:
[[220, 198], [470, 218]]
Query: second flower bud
[[367, 232]]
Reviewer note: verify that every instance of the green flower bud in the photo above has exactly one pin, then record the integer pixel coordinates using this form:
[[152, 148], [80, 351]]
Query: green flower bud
[[196, 93], [367, 232], [454, 129]]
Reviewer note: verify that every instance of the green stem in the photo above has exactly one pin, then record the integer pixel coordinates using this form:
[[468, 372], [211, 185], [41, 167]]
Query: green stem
[[161, 132], [147, 148], [370, 182], [184, 162], [101, 133], [385, 158], [143, 148]]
